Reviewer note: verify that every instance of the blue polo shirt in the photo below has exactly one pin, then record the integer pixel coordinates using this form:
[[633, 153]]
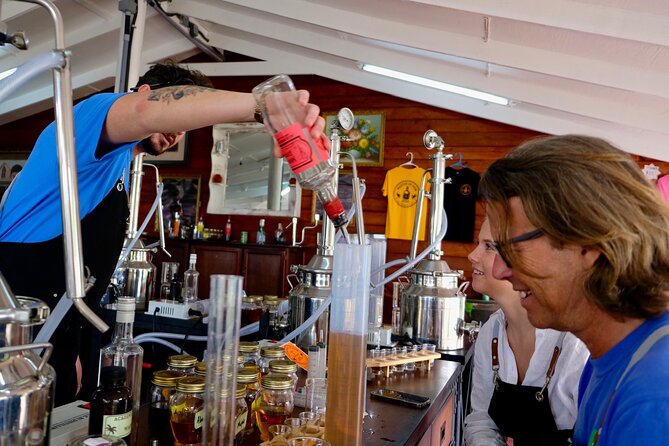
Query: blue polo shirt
[[32, 210]]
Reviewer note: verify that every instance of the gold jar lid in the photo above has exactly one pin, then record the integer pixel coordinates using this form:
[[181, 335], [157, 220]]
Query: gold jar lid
[[256, 298], [271, 297], [277, 382], [282, 366], [248, 299], [167, 378], [191, 384], [247, 375], [272, 351], [241, 391], [201, 368], [181, 361], [249, 346]]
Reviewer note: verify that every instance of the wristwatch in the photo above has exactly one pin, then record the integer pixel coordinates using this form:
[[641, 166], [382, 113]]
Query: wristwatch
[[257, 114]]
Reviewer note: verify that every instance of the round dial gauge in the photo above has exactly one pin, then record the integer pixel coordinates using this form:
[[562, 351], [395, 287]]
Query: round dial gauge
[[345, 118]]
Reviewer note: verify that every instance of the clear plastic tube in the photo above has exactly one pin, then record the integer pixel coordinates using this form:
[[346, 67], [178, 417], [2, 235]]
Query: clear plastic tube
[[162, 342], [347, 346], [222, 348]]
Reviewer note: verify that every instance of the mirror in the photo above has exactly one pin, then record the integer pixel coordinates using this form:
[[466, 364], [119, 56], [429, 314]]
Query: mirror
[[246, 177]]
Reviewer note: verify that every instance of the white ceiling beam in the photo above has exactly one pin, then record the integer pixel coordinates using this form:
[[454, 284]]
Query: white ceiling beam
[[603, 18], [412, 35]]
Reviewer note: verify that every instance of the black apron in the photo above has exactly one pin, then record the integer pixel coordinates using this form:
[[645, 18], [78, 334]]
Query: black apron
[[524, 412], [38, 270]]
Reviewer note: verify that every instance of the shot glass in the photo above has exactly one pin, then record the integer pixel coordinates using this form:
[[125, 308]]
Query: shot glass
[[279, 429], [307, 416], [307, 441], [294, 423]]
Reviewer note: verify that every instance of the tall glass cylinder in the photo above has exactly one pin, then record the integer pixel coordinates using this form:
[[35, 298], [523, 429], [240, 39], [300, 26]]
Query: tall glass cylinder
[[347, 348], [222, 346], [378, 244]]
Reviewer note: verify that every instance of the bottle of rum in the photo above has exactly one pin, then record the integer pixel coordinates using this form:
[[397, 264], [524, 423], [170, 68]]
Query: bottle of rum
[[191, 278], [260, 235], [228, 230], [112, 406]]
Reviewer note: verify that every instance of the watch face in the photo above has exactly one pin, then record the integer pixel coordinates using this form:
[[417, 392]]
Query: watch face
[[345, 118]]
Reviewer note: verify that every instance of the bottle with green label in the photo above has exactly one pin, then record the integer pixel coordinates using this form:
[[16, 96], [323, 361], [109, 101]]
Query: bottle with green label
[[111, 405]]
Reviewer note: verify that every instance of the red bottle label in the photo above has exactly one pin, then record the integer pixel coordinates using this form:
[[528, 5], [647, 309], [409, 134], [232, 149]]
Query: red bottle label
[[296, 149]]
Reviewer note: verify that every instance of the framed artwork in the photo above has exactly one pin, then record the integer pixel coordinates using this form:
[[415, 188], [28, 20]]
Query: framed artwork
[[344, 192], [180, 194], [366, 137], [11, 163], [174, 155]]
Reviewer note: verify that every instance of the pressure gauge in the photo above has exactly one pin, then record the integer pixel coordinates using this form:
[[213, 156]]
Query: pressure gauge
[[345, 118]]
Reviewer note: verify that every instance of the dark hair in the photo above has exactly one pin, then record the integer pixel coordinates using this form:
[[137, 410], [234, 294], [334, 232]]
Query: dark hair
[[16, 168], [168, 73], [583, 191]]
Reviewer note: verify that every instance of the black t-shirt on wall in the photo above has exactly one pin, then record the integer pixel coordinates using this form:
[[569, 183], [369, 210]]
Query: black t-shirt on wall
[[460, 204]]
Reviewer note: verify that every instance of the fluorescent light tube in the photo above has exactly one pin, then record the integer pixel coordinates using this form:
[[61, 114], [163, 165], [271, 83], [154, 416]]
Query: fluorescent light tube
[[487, 97]]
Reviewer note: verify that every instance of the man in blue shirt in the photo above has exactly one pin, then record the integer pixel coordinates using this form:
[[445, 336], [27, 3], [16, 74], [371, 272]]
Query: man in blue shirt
[[584, 238], [109, 130]]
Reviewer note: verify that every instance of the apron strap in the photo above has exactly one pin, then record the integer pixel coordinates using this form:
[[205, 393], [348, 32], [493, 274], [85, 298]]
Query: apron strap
[[640, 352], [551, 366], [495, 354]]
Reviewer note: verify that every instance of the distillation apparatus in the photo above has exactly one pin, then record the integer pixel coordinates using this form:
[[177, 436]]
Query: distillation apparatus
[[27, 381]]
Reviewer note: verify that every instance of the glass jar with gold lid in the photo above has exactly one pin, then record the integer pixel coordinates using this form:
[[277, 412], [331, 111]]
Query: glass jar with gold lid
[[284, 367], [163, 386], [248, 376], [241, 414], [187, 410], [275, 404], [182, 363], [200, 368], [268, 354], [251, 352]]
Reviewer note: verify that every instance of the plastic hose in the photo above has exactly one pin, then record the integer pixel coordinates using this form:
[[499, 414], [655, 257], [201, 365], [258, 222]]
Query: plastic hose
[[162, 342]]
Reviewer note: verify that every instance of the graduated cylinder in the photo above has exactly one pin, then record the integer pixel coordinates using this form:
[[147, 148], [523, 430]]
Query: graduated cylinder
[[348, 344]]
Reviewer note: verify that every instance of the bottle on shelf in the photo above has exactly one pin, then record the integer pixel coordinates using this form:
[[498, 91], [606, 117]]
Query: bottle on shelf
[[111, 412], [279, 236], [124, 352], [191, 278], [175, 288], [199, 229], [260, 235], [309, 159], [176, 225], [228, 230]]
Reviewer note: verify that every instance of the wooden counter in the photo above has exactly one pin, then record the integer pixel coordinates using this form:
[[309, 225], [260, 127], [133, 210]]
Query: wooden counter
[[391, 424]]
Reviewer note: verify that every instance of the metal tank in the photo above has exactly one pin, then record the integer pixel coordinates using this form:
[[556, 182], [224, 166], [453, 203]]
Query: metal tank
[[26, 380], [432, 307]]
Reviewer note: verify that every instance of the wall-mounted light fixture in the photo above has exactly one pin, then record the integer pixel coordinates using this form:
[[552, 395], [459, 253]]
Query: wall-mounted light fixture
[[487, 97]]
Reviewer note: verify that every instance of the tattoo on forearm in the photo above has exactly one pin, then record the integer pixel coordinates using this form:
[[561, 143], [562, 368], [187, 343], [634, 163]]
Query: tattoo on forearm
[[169, 94]]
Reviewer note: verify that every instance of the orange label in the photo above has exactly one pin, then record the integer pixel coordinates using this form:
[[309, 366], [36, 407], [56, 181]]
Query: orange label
[[295, 354]]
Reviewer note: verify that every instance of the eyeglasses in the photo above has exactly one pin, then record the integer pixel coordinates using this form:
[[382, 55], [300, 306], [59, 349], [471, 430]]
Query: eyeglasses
[[153, 86], [519, 238]]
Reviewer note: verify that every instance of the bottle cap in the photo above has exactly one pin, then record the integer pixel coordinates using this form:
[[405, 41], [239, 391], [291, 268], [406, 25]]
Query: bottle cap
[[193, 258], [167, 378], [125, 303], [262, 222]]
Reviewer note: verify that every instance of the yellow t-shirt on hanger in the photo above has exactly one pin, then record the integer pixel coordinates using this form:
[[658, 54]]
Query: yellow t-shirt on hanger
[[401, 186]]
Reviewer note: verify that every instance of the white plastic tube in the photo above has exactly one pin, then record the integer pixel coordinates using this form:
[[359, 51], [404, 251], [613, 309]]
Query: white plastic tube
[[161, 342]]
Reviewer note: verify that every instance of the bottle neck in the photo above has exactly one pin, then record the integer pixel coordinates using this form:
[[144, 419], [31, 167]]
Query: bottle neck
[[191, 265], [124, 325]]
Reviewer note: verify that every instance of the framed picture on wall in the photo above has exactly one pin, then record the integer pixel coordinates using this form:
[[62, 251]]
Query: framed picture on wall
[[180, 194], [365, 139], [175, 155], [11, 163]]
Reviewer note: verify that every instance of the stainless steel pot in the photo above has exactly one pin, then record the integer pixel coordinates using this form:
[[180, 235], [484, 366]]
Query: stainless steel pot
[[432, 307], [137, 276]]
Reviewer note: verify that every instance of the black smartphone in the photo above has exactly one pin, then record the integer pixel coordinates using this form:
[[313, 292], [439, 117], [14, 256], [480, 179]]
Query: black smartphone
[[403, 398]]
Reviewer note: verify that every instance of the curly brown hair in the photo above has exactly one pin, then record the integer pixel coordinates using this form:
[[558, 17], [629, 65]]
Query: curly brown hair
[[168, 73], [583, 191]]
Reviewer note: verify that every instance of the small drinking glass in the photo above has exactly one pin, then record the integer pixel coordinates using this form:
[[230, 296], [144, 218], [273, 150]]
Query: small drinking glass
[[430, 348], [294, 423], [375, 355], [279, 429], [307, 416], [307, 441]]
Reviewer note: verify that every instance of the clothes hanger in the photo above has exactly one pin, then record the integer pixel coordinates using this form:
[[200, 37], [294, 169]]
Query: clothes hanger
[[409, 163], [459, 162]]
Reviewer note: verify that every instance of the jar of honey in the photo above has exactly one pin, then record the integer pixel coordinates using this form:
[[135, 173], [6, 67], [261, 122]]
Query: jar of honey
[[275, 404], [284, 367], [249, 377], [187, 410], [163, 386], [241, 414], [251, 352]]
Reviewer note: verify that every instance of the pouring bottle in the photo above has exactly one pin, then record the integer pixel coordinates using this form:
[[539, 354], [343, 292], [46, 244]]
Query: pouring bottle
[[309, 159]]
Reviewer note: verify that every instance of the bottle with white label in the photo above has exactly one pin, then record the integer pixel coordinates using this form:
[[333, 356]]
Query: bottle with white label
[[111, 405], [191, 279]]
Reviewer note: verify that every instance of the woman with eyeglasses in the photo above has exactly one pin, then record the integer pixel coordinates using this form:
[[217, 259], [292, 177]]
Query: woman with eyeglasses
[[525, 380]]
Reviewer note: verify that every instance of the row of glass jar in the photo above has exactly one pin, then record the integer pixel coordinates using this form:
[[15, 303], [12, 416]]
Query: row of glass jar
[[178, 397]]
